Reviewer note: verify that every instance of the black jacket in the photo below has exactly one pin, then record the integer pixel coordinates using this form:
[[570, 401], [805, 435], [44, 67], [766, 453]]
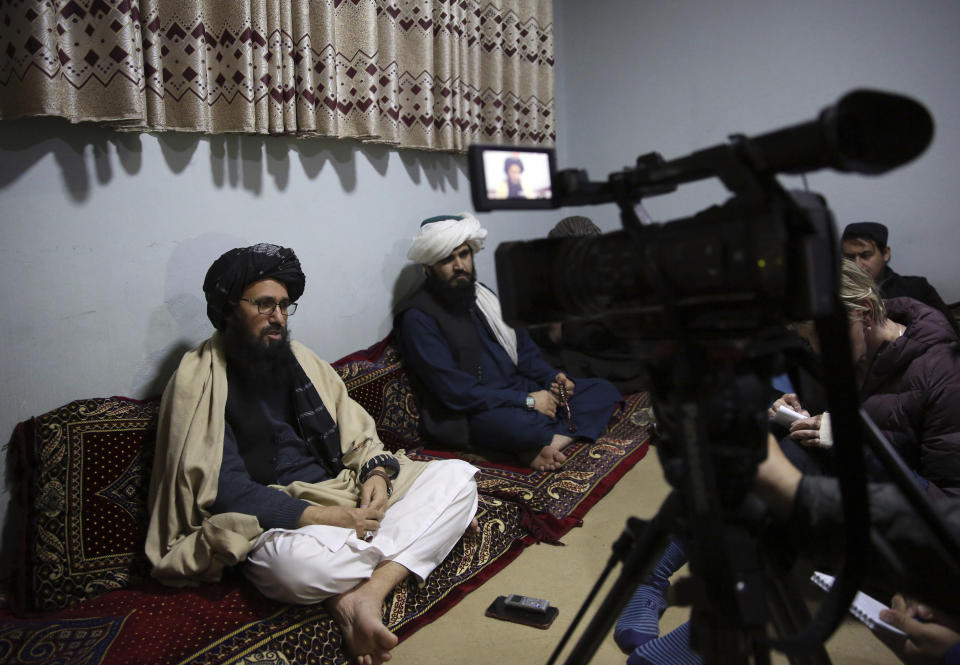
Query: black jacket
[[894, 285]]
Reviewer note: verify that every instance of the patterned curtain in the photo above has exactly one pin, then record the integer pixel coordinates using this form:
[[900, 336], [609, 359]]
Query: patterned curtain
[[430, 74]]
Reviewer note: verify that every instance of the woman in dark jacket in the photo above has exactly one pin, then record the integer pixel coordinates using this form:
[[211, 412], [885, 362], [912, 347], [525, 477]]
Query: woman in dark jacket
[[908, 367]]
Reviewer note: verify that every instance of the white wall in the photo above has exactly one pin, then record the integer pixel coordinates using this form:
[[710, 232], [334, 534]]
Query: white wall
[[106, 238], [674, 76]]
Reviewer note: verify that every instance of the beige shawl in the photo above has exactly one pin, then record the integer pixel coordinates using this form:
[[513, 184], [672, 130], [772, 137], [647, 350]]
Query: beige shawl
[[185, 543]]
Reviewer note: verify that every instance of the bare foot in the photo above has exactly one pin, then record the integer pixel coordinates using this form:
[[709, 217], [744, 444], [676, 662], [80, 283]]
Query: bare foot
[[474, 526], [548, 459], [365, 637]]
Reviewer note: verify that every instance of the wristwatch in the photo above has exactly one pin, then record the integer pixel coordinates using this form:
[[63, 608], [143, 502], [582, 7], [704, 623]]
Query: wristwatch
[[531, 404]]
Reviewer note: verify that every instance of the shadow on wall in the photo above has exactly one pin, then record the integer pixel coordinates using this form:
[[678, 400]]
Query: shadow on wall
[[91, 158], [407, 281], [37, 137], [180, 323], [236, 161]]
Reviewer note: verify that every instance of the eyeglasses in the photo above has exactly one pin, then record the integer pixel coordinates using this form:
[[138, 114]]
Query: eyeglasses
[[266, 306]]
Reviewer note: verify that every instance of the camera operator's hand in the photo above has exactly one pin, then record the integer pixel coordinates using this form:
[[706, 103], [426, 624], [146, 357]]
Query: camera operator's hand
[[929, 637], [545, 402], [561, 380], [806, 431], [789, 400]]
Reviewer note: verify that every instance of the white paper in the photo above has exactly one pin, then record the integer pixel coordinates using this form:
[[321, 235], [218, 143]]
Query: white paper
[[785, 415], [864, 607]]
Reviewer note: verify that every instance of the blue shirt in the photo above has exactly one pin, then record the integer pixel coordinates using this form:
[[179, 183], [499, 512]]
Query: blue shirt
[[501, 383]]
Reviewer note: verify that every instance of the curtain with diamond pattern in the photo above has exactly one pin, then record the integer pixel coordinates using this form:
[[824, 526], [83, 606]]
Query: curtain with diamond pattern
[[429, 74]]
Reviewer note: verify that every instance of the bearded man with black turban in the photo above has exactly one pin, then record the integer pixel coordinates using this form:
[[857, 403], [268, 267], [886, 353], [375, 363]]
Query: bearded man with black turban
[[263, 461], [481, 383]]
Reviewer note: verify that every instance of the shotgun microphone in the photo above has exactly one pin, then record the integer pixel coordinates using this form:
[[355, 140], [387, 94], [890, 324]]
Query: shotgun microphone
[[867, 131]]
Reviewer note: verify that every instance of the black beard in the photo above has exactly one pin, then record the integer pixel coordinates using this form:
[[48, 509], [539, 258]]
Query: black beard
[[253, 359], [457, 297]]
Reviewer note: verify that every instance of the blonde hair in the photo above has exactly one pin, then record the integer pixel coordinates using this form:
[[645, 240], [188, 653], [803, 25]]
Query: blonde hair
[[858, 291]]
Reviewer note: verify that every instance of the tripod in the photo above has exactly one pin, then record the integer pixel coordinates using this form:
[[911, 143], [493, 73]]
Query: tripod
[[710, 402]]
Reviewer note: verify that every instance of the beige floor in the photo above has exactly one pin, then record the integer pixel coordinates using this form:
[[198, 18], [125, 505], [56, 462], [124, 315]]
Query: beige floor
[[564, 575]]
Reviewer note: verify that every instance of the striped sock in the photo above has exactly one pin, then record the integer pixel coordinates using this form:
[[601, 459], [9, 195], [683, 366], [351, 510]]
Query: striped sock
[[640, 621], [671, 649]]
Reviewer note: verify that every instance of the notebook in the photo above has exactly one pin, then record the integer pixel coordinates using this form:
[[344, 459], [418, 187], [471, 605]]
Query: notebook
[[864, 607]]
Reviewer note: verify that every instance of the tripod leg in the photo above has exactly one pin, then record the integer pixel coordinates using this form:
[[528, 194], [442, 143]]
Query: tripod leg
[[789, 614], [636, 565]]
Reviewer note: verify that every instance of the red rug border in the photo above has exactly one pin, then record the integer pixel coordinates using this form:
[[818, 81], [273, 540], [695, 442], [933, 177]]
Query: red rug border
[[574, 519], [611, 479]]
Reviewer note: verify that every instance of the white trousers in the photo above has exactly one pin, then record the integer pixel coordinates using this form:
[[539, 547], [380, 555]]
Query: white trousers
[[312, 563]]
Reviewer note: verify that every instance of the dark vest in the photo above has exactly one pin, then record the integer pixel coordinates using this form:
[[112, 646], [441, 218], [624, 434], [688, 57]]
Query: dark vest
[[458, 329], [441, 426], [302, 409], [255, 435]]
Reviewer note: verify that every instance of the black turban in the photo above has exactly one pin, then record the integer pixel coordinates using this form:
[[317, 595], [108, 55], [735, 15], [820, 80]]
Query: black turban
[[512, 161], [234, 271]]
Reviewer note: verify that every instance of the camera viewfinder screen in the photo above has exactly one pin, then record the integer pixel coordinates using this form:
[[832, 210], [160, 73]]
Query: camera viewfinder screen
[[510, 174]]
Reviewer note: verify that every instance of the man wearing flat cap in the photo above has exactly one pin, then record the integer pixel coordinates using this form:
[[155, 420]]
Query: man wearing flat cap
[[264, 461], [481, 383], [866, 243]]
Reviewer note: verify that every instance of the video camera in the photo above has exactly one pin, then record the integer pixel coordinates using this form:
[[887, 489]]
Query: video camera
[[761, 257], [703, 302]]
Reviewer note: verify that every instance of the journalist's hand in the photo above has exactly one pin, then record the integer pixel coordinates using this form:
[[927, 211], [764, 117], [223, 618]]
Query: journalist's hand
[[545, 402], [789, 400], [926, 641], [806, 431]]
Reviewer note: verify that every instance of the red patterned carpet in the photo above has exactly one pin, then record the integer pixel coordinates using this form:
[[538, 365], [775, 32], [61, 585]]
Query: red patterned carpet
[[83, 595]]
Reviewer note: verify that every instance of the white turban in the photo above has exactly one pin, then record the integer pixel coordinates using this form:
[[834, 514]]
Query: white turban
[[437, 239], [439, 236]]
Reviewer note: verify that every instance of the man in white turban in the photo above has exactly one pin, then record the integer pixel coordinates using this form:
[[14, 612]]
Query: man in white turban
[[481, 383]]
